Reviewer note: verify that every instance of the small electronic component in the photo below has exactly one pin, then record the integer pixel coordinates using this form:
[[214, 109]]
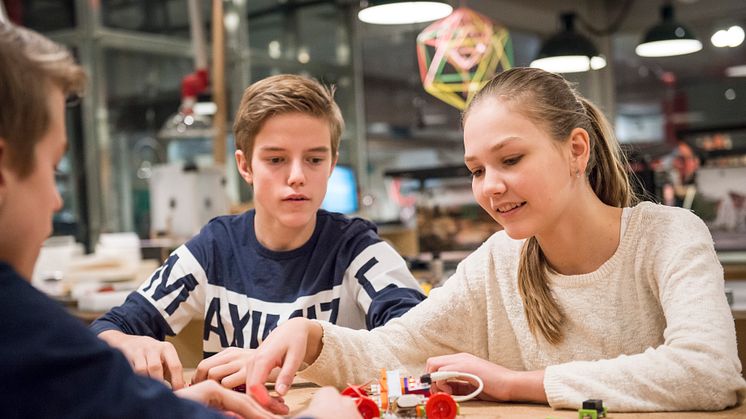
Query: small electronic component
[[592, 409], [393, 396]]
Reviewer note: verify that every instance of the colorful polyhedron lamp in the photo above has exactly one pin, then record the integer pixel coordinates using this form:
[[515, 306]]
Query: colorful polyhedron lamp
[[458, 54]]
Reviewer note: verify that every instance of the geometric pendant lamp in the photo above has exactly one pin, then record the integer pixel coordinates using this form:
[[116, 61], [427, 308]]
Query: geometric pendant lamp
[[458, 54]]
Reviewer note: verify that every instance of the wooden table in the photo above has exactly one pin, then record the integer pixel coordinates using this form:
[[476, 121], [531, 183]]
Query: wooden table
[[299, 397]]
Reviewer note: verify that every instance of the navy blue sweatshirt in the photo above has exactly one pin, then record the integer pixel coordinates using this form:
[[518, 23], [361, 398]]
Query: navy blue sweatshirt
[[52, 366], [344, 274]]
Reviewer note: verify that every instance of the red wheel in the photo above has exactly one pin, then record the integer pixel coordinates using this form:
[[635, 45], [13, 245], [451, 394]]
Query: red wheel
[[367, 407], [441, 406], [353, 391]]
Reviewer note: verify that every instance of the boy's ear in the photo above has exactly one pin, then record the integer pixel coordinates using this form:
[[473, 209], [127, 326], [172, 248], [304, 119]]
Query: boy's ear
[[3, 171], [335, 159], [580, 150], [244, 167]]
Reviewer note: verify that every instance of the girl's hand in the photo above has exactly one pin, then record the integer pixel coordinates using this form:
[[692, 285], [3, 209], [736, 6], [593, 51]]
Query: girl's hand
[[287, 347], [500, 383]]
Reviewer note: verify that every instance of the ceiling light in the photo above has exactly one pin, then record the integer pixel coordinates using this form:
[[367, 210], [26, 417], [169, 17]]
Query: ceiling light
[[568, 51], [732, 37], [668, 38], [388, 12], [736, 71]]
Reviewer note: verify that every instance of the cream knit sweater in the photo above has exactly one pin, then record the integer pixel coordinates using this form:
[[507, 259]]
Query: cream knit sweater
[[650, 330]]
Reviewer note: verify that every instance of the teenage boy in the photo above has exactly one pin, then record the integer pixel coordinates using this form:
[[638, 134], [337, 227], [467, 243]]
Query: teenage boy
[[287, 258], [52, 366]]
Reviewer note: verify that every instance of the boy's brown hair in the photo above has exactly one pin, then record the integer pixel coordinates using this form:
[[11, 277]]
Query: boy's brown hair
[[282, 94], [30, 65]]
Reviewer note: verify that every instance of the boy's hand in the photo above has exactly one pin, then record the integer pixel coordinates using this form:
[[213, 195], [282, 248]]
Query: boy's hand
[[148, 356], [214, 395], [327, 403], [228, 367], [295, 341]]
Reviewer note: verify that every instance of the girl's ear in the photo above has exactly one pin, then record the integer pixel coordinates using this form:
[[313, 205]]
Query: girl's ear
[[244, 167], [580, 150]]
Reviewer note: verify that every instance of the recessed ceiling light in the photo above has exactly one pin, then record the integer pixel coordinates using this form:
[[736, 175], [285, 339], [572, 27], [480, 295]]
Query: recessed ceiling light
[[736, 71]]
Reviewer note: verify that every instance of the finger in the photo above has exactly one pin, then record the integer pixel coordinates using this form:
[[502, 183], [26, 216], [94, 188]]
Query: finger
[[234, 380], [200, 374], [174, 371], [155, 367], [139, 364], [461, 387], [258, 369], [436, 363], [285, 378], [242, 404], [441, 387], [261, 395], [277, 405], [218, 372]]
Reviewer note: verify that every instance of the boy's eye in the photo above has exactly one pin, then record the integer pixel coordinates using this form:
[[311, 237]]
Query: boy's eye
[[275, 160], [315, 160], [476, 172]]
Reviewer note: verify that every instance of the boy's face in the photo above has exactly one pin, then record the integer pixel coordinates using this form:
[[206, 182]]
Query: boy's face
[[290, 167], [27, 204]]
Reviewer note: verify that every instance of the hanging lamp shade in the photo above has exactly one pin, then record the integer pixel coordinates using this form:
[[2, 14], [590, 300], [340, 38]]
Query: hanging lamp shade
[[668, 38], [391, 12], [568, 51]]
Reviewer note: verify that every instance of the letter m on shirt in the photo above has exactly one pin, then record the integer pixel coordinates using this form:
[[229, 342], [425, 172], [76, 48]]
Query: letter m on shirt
[[186, 284]]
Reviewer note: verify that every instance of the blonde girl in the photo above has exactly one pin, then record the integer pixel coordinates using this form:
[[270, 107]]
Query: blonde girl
[[583, 294]]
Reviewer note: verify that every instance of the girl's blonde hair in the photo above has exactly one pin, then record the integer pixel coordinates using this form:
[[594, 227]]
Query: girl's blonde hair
[[552, 102]]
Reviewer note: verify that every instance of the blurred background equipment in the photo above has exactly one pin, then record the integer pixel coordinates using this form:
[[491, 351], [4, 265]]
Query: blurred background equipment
[[184, 198]]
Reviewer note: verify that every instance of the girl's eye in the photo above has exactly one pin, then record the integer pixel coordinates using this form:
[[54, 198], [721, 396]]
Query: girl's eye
[[512, 161], [476, 173]]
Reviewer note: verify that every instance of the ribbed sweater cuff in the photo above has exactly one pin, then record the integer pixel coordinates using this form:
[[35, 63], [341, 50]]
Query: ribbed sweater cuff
[[554, 389], [320, 369]]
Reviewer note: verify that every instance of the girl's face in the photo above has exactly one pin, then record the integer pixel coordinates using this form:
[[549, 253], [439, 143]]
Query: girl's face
[[28, 203], [520, 175]]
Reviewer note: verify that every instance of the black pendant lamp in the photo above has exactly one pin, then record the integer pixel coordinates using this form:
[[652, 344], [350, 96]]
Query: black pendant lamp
[[668, 38], [392, 12], [568, 51]]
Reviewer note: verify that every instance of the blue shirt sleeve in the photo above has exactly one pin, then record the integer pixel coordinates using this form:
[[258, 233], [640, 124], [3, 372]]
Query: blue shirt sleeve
[[53, 367], [135, 317]]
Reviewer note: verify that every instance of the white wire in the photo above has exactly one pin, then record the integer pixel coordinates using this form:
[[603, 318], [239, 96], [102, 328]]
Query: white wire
[[444, 375]]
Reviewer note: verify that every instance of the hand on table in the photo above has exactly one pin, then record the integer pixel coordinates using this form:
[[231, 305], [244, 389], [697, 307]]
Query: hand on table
[[228, 367], [287, 347], [500, 383], [216, 396], [148, 356]]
